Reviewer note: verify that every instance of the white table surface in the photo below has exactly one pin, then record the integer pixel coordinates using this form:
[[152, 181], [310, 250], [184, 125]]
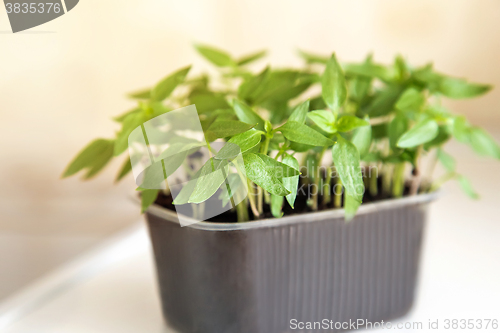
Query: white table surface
[[113, 288]]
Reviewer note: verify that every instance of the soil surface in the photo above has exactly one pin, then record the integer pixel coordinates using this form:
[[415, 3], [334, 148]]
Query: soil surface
[[301, 204]]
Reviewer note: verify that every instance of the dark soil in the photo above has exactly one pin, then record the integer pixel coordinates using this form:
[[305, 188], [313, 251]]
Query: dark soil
[[301, 205]]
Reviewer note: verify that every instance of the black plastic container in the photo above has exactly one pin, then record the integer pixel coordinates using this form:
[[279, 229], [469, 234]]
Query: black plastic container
[[257, 277]]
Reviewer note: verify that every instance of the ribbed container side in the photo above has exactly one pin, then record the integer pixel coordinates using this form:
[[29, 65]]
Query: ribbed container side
[[258, 280]]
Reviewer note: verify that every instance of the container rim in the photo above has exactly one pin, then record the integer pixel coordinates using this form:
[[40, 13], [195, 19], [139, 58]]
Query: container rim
[[312, 217]]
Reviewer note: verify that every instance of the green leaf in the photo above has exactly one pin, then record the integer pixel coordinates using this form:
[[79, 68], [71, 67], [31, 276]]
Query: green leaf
[[317, 103], [442, 137], [397, 127], [426, 76], [224, 114], [446, 160], [123, 116], [384, 101], [291, 183], [93, 158], [347, 162], [165, 87], [334, 88], [348, 123], [277, 139], [301, 133], [215, 56], [278, 169], [277, 205], [282, 86], [156, 173], [459, 88], [185, 145], [371, 70], [251, 58], [438, 112], [124, 170], [247, 115], [359, 87], [299, 114], [299, 147], [141, 94], [247, 89], [247, 140], [148, 197], [380, 131], [312, 58], [483, 143], [279, 111], [207, 102], [186, 191], [467, 187], [212, 176], [130, 123], [324, 119], [362, 139], [268, 127], [351, 206], [410, 100], [226, 128], [240, 144], [234, 182], [421, 133], [461, 129], [100, 161], [401, 68], [261, 174]]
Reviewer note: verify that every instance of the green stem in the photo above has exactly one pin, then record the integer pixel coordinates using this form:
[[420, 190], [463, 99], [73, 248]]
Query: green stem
[[242, 211], [263, 150], [415, 184], [337, 201], [267, 197], [251, 199], [398, 183], [327, 187], [316, 181], [373, 184], [283, 148], [260, 201], [265, 147], [387, 180]]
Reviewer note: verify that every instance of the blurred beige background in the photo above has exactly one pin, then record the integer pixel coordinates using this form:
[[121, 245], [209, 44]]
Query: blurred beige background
[[61, 82]]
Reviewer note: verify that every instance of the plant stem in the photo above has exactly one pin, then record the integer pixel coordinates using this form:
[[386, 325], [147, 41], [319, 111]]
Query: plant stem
[[251, 199], [373, 184], [398, 183], [267, 197], [327, 187], [415, 184], [263, 150], [316, 181], [265, 147], [337, 201], [260, 200], [242, 211], [387, 180], [282, 150]]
